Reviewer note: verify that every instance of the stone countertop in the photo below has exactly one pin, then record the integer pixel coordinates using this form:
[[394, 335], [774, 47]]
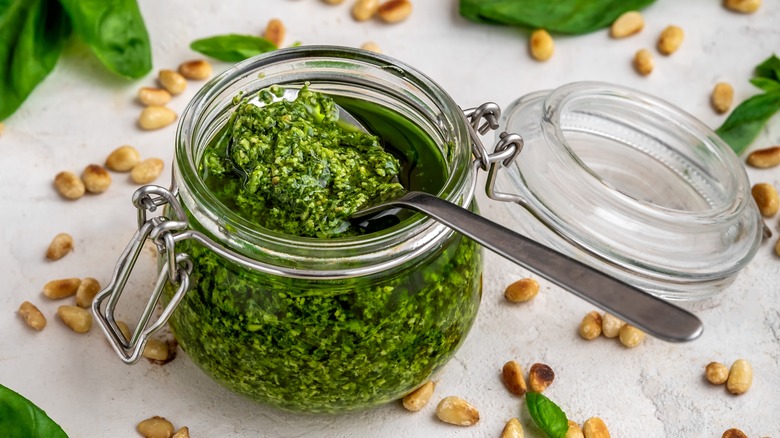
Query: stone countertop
[[81, 113]]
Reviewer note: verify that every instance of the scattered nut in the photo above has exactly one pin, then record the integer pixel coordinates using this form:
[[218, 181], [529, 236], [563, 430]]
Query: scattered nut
[[590, 326], [96, 179], [764, 158], [631, 336], [147, 170], [766, 198], [69, 185], [777, 248], [155, 427], [58, 289], [574, 431], [334, 2], [643, 62], [79, 320], [744, 6], [522, 290], [124, 329], [610, 325], [541, 45], [740, 377], [512, 375], [513, 429], [722, 96], [594, 427], [417, 399], [198, 69], [32, 316], [60, 246], [540, 377], [670, 39], [88, 288], [627, 24], [153, 96], [716, 373], [172, 81], [455, 410], [275, 32], [2, 128], [734, 433], [156, 117], [394, 11], [184, 432], [156, 350], [371, 47], [123, 159], [364, 9]]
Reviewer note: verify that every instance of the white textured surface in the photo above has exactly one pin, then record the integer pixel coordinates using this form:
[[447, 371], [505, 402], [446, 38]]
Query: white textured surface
[[81, 113]]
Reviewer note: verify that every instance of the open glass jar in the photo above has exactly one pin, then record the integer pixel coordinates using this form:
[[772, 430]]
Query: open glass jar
[[330, 325]]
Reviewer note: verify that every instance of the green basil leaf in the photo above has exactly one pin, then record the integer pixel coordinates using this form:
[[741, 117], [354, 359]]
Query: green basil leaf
[[116, 33], [232, 47], [561, 16], [744, 123], [20, 418], [765, 84], [769, 69], [32, 33], [547, 415]]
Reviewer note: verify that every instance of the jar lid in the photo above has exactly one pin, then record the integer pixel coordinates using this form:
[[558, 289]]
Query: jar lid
[[633, 186]]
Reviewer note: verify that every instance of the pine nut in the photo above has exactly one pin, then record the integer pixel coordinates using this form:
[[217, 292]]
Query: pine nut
[[455, 410], [590, 326], [124, 329], [58, 289], [155, 427], [88, 288], [364, 9], [153, 96], [764, 158], [512, 375], [643, 62], [2, 128], [156, 117], [540, 377], [96, 179], [394, 11], [123, 159], [172, 81], [740, 377], [574, 431], [716, 373], [722, 96], [275, 32], [32, 316], [777, 248], [184, 432], [79, 320], [197, 69], [766, 198], [522, 290], [541, 45], [156, 350], [734, 433], [744, 6], [334, 2], [610, 325], [147, 170], [631, 336], [69, 185], [60, 246], [594, 427], [371, 47], [627, 24], [417, 399], [513, 429], [670, 40]]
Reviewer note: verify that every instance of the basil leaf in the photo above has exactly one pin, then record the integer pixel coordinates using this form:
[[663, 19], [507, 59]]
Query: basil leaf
[[744, 124], [561, 16], [32, 33], [547, 415], [20, 418], [232, 47], [765, 84], [116, 33], [769, 69]]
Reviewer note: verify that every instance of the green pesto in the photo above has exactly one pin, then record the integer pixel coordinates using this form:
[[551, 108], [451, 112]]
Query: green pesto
[[290, 166]]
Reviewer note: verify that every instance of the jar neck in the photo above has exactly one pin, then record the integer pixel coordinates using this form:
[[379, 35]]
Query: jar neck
[[335, 71]]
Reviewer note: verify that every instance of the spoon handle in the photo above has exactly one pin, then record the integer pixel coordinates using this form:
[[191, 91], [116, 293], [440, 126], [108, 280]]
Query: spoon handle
[[647, 312]]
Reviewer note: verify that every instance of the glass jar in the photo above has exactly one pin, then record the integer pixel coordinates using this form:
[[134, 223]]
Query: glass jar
[[633, 186]]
